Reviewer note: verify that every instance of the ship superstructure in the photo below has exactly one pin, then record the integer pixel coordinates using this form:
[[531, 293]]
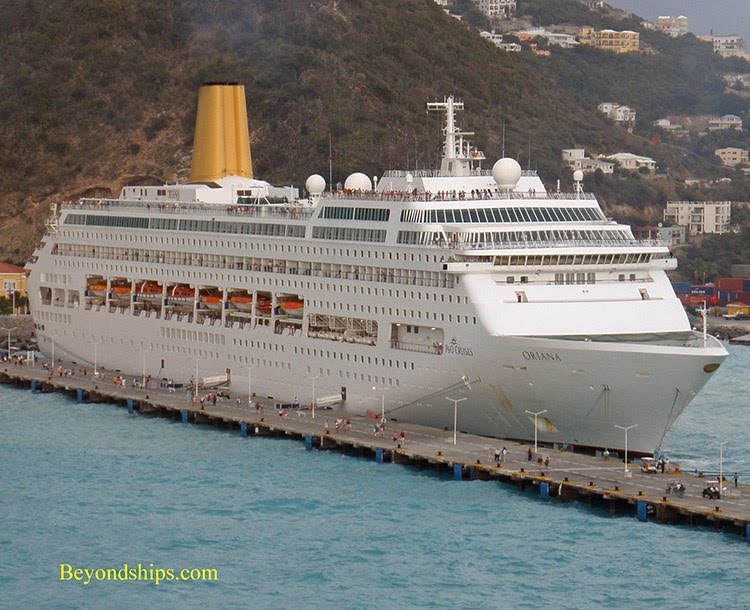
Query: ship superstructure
[[454, 283]]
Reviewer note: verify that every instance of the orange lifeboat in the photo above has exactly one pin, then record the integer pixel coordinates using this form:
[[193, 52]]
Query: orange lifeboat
[[293, 307], [263, 305], [243, 302], [212, 300], [121, 290], [97, 289]]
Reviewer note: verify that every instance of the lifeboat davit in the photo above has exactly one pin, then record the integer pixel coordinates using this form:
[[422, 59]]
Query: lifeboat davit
[[183, 291], [151, 291]]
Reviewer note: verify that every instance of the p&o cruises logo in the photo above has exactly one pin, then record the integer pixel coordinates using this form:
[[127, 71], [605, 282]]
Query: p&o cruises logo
[[454, 348]]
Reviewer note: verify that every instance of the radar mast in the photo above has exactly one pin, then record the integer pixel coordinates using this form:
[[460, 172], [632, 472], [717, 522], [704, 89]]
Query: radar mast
[[459, 157]]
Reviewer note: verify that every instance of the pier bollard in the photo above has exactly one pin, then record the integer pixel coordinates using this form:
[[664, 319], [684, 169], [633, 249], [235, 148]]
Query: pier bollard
[[33, 386], [544, 490], [308, 442], [458, 472], [184, 416], [79, 394], [642, 511], [243, 428], [379, 455], [130, 406]]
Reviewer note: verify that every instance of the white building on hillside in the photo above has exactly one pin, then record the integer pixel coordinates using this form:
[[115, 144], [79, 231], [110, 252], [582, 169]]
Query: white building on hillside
[[732, 157], [728, 121], [732, 45], [497, 8], [669, 126], [560, 39], [624, 115], [700, 216], [497, 40], [673, 26], [576, 158], [629, 161]]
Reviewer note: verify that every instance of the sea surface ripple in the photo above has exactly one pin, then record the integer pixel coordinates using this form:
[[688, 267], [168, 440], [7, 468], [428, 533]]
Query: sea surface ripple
[[90, 486]]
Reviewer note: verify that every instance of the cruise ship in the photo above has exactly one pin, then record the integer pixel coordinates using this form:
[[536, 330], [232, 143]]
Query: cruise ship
[[422, 295]]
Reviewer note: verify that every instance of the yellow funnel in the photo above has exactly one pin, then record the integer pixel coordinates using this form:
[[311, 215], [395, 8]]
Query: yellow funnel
[[221, 146]]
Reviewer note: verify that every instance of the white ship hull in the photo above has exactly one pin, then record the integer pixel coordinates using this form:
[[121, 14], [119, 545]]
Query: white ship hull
[[587, 388], [454, 283]]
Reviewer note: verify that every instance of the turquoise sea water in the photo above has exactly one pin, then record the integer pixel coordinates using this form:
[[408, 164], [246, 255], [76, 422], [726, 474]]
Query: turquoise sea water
[[90, 486]]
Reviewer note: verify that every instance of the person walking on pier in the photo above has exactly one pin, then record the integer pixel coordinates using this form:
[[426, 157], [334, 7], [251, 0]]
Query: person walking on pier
[[403, 438], [497, 456], [529, 454], [504, 454]]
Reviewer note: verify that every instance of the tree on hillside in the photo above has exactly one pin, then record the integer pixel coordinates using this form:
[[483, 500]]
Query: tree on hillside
[[470, 14]]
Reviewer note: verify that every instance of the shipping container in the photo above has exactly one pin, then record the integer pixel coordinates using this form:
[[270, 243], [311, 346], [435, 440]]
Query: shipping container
[[703, 289], [729, 283], [746, 284], [725, 296], [681, 287], [691, 300], [741, 296]]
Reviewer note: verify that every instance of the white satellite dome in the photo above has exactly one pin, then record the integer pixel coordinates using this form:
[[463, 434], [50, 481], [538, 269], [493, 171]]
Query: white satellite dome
[[358, 182], [315, 184], [507, 173], [578, 175], [409, 178]]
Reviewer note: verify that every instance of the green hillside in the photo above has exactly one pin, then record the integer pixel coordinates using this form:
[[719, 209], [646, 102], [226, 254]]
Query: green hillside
[[98, 92], [94, 94]]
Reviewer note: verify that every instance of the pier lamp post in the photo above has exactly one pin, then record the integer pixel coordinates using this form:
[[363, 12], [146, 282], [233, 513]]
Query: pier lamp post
[[536, 428], [312, 404], [455, 402], [54, 336], [250, 384], [721, 467], [9, 331], [96, 359], [382, 389], [626, 428], [143, 367]]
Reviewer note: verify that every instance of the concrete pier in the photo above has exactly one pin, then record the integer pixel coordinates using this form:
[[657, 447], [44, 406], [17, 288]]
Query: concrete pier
[[566, 476]]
